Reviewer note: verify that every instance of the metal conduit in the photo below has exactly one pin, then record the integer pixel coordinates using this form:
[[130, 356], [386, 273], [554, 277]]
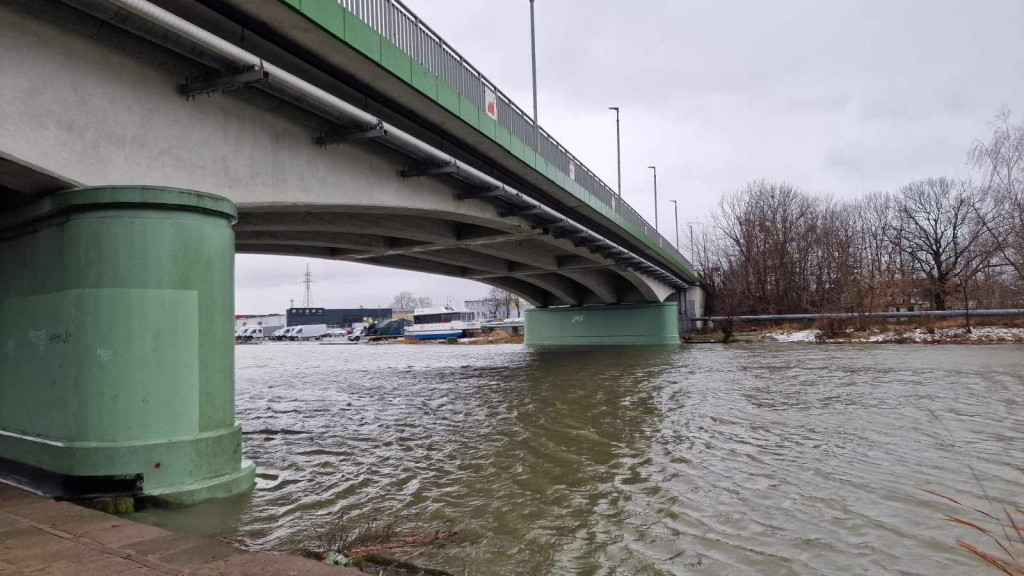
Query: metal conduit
[[855, 316], [299, 92]]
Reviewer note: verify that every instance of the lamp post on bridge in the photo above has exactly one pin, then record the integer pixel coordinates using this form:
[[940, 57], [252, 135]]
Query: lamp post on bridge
[[618, 147], [655, 168], [690, 224], [533, 55], [675, 207]]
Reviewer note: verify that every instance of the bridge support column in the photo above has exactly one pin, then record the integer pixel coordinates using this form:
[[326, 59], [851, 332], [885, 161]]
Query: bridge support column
[[621, 324], [116, 349], [693, 301]]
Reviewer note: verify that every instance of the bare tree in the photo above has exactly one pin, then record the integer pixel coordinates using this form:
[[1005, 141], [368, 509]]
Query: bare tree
[[1001, 161], [765, 228], [939, 231], [404, 300], [775, 249], [501, 302]]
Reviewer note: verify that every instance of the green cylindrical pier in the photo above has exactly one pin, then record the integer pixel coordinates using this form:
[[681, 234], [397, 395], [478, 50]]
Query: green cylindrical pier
[[613, 325], [116, 348]]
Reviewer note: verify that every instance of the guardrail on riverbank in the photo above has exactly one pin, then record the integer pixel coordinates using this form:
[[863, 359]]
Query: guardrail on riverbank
[[862, 315]]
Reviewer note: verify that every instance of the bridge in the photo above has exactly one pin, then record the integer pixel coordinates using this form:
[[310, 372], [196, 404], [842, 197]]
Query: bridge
[[144, 143]]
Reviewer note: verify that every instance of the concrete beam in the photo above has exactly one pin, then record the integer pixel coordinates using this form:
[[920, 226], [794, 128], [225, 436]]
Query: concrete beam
[[532, 294], [465, 258], [567, 291], [411, 227], [417, 265], [524, 252], [475, 239], [601, 282], [361, 242], [295, 250]]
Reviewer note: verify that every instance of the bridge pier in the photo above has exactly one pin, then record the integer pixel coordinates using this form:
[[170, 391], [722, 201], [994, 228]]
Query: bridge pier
[[116, 355], [620, 324]]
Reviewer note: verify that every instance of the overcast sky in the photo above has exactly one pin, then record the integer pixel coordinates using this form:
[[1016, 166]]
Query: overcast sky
[[839, 97]]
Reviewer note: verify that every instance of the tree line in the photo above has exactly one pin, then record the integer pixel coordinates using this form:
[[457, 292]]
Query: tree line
[[936, 243]]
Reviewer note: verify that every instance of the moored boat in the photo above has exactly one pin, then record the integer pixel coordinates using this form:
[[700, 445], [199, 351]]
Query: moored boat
[[441, 323]]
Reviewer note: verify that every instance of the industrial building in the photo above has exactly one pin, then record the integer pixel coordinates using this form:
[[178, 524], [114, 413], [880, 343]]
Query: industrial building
[[336, 317], [251, 320]]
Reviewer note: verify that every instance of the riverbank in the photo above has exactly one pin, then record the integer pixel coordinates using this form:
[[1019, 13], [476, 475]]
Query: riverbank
[[42, 536], [934, 332]]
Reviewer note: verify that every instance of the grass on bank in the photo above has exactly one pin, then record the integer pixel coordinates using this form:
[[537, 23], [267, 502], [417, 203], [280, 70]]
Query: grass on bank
[[384, 544], [1002, 531]]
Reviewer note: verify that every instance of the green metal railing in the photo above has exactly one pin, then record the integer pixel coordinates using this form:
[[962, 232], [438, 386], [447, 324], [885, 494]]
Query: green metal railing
[[394, 21]]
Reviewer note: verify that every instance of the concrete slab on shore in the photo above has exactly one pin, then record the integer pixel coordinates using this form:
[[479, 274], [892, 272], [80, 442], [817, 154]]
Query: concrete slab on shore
[[40, 536]]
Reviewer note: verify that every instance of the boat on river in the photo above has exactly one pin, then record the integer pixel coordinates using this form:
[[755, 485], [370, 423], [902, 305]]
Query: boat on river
[[441, 323]]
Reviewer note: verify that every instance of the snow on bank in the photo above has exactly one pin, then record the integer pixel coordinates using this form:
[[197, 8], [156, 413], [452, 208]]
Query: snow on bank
[[919, 335], [798, 336]]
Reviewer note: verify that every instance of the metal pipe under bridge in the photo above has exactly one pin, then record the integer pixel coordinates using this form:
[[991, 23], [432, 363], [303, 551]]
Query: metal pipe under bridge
[[861, 315]]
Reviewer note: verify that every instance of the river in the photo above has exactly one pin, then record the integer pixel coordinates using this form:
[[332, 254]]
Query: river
[[708, 459]]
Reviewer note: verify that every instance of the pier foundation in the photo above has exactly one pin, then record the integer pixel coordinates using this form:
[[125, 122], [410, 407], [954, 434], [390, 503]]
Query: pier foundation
[[116, 349], [622, 324]]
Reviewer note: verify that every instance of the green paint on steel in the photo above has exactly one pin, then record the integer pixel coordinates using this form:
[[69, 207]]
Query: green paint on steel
[[468, 112], [488, 126], [397, 62], [448, 97], [361, 36], [503, 136], [327, 13], [517, 147], [365, 39], [118, 355], [618, 325], [424, 80]]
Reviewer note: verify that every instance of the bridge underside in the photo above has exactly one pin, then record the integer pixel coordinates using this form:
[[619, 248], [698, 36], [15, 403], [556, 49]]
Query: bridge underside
[[542, 269]]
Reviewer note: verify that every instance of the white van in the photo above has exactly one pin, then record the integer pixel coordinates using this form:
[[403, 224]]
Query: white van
[[257, 333], [280, 333], [287, 334], [308, 332]]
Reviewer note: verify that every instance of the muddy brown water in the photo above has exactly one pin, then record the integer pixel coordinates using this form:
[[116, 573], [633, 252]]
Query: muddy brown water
[[707, 459]]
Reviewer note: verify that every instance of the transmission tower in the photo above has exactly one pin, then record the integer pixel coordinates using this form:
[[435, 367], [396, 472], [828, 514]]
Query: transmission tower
[[307, 301]]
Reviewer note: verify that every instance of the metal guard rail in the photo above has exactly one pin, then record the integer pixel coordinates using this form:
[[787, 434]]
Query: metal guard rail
[[861, 315], [395, 21]]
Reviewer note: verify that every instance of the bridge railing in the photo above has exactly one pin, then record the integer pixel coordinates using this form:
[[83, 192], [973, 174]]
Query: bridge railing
[[393, 20]]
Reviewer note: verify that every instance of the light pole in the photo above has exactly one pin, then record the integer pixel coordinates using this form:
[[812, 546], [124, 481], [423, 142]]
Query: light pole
[[690, 224], [618, 147], [533, 54], [655, 168], [675, 207]]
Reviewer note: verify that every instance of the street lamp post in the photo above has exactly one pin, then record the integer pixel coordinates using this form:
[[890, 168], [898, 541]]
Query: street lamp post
[[655, 168], [618, 147], [533, 54], [690, 224], [675, 207]]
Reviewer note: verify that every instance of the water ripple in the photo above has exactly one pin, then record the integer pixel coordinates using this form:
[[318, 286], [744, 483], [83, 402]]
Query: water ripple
[[759, 459]]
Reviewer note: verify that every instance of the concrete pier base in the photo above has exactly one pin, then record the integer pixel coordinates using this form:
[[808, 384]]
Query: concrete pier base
[[116, 350], [623, 324]]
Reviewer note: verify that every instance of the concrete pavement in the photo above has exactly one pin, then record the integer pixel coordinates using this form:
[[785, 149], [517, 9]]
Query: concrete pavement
[[40, 536]]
